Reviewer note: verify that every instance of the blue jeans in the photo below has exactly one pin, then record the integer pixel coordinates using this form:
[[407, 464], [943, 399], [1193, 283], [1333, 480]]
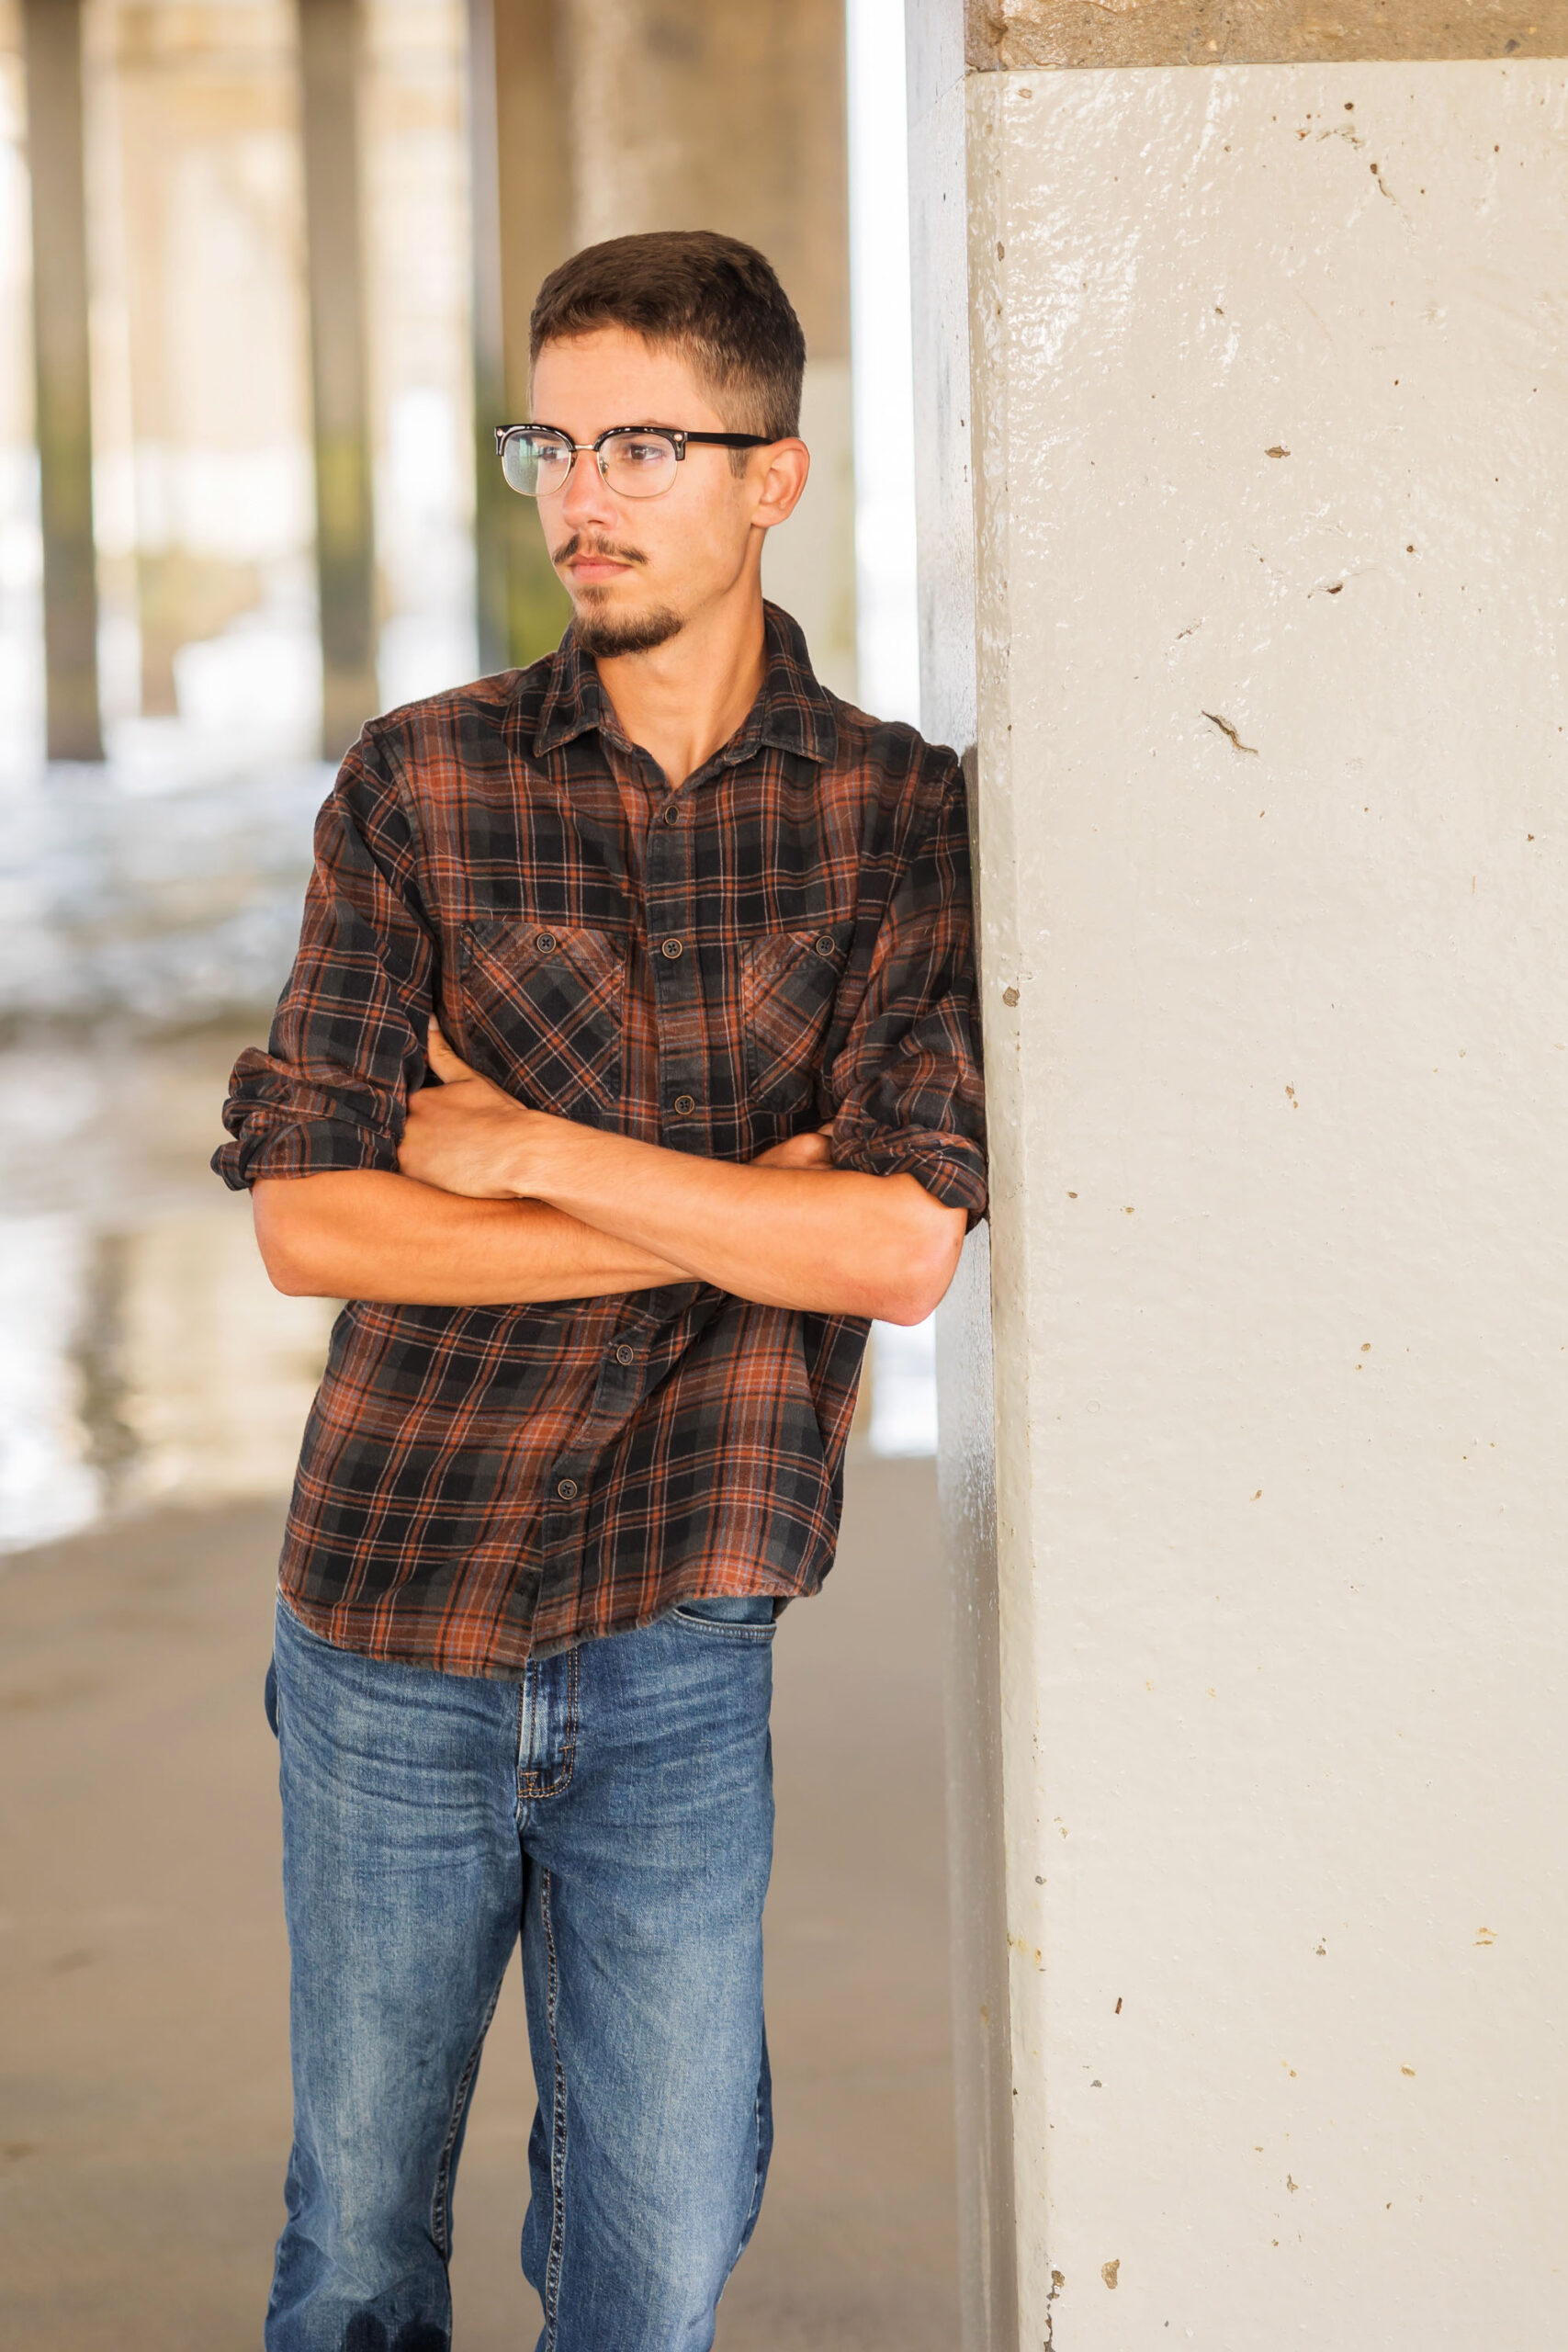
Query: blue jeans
[[615, 1810]]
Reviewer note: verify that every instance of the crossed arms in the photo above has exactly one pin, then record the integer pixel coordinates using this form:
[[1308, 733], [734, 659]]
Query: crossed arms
[[494, 1205]]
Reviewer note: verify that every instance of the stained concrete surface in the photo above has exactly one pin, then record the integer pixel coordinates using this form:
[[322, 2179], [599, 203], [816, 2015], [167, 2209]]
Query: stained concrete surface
[[143, 2093]]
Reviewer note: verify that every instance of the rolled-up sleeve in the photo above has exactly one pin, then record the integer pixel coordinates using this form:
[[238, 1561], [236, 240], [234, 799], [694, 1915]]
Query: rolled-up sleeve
[[347, 1041], [905, 1091]]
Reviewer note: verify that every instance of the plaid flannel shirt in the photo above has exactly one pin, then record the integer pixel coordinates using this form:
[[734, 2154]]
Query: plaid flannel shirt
[[783, 942]]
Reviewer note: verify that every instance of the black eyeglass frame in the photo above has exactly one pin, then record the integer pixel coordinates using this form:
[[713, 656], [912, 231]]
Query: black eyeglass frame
[[677, 435]]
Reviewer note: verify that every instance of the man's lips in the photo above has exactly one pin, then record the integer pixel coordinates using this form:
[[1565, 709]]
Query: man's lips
[[591, 563]]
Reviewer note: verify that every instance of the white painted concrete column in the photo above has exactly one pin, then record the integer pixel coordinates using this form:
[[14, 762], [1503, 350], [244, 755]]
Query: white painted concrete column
[[1260, 1780]]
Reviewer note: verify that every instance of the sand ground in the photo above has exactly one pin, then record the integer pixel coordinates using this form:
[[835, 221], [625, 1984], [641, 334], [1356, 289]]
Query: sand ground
[[143, 2090]]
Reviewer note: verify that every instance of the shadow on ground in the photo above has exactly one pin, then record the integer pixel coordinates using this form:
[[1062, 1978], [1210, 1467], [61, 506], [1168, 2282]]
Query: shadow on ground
[[143, 2092]]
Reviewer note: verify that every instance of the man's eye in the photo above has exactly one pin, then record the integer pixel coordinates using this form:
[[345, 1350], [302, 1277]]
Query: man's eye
[[645, 453]]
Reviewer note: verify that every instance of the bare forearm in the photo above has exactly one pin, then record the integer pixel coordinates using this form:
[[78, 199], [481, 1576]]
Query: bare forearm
[[368, 1234], [834, 1242], [786, 1231]]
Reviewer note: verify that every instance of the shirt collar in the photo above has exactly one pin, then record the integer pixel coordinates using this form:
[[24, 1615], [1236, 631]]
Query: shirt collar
[[793, 711]]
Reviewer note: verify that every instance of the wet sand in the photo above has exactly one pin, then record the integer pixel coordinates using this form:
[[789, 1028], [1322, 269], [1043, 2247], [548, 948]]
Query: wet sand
[[143, 2086]]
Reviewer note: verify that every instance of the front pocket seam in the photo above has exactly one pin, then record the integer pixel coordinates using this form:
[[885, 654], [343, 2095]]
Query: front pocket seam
[[832, 969], [482, 939], [734, 1629]]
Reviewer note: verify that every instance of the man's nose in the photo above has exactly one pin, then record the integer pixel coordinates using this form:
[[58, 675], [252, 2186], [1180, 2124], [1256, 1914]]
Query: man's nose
[[585, 503]]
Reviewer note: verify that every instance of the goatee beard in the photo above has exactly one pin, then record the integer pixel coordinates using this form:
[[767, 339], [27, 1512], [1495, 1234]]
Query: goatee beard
[[598, 632], [604, 636]]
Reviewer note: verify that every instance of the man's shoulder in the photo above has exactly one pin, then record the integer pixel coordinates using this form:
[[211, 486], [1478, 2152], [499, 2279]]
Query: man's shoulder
[[891, 758], [502, 710]]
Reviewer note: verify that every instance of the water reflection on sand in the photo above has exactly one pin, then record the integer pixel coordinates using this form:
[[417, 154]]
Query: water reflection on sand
[[144, 1353], [148, 912]]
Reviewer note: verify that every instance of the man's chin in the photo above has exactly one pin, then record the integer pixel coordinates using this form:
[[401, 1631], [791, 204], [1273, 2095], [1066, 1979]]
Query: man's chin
[[604, 634]]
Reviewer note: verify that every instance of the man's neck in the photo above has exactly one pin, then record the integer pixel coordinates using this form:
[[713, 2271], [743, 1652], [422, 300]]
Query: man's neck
[[685, 699]]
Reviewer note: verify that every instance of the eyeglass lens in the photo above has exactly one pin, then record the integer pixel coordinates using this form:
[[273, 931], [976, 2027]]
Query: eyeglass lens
[[634, 465]]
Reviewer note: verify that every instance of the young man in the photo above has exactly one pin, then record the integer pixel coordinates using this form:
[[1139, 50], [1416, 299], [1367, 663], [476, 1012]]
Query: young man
[[685, 941]]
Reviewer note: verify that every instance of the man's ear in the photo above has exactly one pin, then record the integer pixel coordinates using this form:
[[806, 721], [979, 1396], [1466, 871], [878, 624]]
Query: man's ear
[[783, 479]]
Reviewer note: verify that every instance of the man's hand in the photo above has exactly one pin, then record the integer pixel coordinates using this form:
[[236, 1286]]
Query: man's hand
[[846, 1243], [810, 1150], [466, 1137]]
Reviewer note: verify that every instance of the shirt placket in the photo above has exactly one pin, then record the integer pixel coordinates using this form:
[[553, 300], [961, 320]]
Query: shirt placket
[[680, 1028], [676, 954]]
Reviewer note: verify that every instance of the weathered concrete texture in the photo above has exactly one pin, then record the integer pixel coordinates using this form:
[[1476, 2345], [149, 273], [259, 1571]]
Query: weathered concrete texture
[[144, 2079], [1003, 33], [1267, 425]]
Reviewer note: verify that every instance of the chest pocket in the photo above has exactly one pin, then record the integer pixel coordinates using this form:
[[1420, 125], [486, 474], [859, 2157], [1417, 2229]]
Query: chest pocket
[[545, 1006], [789, 980]]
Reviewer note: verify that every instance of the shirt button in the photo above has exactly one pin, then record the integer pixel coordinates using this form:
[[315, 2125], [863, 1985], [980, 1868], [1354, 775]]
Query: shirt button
[[546, 942], [567, 1489], [825, 945], [672, 813], [625, 1355], [672, 948], [684, 1105]]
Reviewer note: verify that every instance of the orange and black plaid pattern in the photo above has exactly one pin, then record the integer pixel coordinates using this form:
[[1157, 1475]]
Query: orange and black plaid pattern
[[782, 943]]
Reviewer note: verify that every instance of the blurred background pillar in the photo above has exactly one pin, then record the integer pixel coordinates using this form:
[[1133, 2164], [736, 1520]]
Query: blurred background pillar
[[331, 52], [521, 161], [52, 33], [697, 114], [613, 116]]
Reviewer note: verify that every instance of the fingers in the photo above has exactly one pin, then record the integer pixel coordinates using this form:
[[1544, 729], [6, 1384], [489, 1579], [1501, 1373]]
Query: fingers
[[446, 1065], [804, 1151]]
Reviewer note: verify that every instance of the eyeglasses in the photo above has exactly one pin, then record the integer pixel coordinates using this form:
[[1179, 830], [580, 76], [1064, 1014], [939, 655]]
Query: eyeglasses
[[634, 460]]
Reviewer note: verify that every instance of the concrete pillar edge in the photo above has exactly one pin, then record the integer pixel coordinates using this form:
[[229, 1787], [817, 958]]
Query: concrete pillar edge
[[1001, 34]]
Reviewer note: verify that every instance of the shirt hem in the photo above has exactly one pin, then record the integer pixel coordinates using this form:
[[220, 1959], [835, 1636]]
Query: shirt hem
[[354, 1630]]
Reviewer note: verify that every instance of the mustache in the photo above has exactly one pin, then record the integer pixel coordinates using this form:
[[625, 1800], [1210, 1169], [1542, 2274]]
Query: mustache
[[588, 543]]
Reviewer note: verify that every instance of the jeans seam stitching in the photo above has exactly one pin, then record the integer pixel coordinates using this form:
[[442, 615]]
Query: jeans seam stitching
[[441, 2207], [753, 2210], [529, 1783], [557, 2122], [731, 1629]]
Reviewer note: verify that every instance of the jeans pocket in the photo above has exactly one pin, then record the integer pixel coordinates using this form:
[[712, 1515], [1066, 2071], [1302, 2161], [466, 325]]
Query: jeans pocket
[[736, 1616]]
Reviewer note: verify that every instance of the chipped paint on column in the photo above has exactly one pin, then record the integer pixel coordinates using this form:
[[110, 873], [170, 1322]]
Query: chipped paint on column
[[1269, 412]]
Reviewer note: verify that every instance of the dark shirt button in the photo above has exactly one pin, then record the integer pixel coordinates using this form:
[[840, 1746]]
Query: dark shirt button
[[684, 1104], [672, 948], [546, 942], [567, 1489], [625, 1355], [672, 813], [825, 943]]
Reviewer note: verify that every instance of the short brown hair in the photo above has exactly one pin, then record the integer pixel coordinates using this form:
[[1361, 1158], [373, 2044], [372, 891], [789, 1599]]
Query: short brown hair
[[711, 297]]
